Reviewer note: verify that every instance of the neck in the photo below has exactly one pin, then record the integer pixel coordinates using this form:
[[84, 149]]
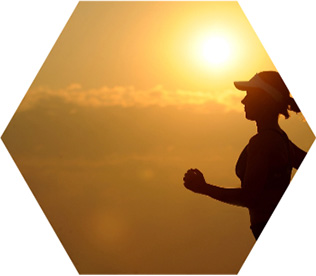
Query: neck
[[268, 123]]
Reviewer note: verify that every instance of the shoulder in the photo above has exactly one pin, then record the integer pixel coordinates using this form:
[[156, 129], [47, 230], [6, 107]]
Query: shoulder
[[263, 138], [267, 141]]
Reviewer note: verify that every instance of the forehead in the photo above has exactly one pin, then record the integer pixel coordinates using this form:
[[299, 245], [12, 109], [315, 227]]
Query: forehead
[[254, 91], [258, 95]]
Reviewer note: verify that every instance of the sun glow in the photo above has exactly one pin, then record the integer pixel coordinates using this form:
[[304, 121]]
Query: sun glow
[[215, 50]]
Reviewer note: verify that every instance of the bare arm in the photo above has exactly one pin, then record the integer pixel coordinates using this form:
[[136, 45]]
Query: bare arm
[[258, 160], [232, 196], [194, 181]]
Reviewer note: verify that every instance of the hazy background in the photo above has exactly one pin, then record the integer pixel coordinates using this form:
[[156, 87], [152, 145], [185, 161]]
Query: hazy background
[[121, 108]]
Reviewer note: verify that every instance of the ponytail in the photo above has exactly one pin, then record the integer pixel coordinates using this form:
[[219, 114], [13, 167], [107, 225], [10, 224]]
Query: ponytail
[[288, 105]]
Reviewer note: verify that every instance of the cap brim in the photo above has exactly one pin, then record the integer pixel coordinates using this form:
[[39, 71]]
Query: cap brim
[[242, 85]]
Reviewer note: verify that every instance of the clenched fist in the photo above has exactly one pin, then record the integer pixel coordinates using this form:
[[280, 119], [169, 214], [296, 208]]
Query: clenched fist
[[194, 181]]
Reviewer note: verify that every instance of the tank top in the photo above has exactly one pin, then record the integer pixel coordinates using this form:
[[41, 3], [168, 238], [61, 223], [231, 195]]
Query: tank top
[[277, 182]]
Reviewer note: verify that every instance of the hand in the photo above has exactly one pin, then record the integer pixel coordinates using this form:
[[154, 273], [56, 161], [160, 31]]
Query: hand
[[194, 181]]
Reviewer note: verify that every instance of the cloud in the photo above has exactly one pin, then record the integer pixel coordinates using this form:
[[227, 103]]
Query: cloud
[[127, 96]]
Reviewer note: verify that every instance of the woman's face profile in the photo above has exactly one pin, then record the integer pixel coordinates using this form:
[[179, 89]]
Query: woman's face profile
[[257, 104]]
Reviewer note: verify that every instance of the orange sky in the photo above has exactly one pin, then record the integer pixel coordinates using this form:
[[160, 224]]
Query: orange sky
[[121, 108]]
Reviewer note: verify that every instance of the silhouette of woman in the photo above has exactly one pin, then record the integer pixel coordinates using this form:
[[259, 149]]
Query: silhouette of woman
[[264, 166]]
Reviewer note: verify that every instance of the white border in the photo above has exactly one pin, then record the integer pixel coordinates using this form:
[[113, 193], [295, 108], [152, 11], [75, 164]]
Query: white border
[[28, 246], [287, 245]]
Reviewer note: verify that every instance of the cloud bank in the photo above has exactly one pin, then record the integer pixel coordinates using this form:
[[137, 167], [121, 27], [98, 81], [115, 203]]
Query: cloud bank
[[128, 96]]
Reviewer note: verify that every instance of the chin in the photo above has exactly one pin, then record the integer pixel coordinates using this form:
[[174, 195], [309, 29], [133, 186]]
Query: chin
[[249, 117]]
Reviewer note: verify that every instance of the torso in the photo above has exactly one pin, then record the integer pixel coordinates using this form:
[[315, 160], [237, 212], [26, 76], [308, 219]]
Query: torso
[[278, 175]]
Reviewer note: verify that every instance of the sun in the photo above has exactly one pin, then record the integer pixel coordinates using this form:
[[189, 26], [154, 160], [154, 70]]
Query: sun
[[215, 50]]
